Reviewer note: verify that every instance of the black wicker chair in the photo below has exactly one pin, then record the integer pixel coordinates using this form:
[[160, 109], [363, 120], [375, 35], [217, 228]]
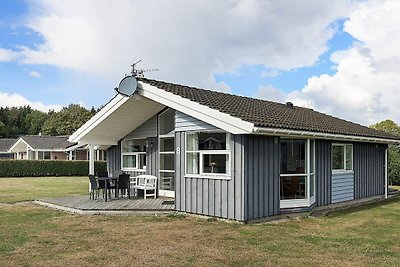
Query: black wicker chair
[[124, 184], [94, 187]]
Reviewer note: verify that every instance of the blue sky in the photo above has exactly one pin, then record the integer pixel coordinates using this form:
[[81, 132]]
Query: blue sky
[[53, 53]]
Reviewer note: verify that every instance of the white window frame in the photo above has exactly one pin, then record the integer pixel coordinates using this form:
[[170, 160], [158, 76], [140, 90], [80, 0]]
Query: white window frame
[[307, 201], [136, 154], [345, 170], [202, 174]]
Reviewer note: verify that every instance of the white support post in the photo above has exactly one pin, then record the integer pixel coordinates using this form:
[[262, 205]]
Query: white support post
[[91, 159], [386, 173], [91, 162]]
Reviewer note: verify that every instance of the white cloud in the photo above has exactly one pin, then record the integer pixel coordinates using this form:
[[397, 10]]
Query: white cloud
[[35, 74], [188, 40], [7, 55], [269, 92], [365, 88], [15, 100], [270, 73]]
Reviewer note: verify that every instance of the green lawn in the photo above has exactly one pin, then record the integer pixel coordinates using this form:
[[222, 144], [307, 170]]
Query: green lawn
[[32, 235], [395, 187], [25, 189]]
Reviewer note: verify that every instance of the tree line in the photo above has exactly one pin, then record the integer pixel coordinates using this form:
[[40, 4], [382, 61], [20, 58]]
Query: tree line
[[16, 121]]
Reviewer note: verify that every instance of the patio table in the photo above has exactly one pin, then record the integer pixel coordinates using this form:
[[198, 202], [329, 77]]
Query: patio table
[[107, 180]]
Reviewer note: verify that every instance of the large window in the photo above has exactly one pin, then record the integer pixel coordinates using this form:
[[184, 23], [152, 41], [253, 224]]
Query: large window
[[297, 172], [207, 154], [134, 154], [342, 157], [43, 154]]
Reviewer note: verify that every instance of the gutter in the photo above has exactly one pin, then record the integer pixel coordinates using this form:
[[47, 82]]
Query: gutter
[[328, 136]]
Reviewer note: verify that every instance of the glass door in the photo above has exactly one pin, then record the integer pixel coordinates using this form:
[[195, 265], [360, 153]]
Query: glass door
[[166, 141]]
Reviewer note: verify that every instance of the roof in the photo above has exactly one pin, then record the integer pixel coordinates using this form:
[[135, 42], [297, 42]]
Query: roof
[[6, 143], [268, 114], [47, 142]]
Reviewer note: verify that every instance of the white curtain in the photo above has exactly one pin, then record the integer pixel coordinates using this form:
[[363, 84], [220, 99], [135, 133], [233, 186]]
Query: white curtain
[[192, 157]]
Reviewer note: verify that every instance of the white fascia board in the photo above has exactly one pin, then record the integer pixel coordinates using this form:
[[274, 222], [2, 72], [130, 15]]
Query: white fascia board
[[97, 142], [100, 116], [214, 117], [17, 142], [327, 136]]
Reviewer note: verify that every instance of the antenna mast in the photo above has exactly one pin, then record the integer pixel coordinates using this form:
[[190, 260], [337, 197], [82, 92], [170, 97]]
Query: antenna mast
[[139, 73]]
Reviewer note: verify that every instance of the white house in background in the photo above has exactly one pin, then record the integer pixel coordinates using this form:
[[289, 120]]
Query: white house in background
[[5, 144], [41, 147]]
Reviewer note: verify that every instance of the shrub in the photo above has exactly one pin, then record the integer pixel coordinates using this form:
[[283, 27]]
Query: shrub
[[35, 168]]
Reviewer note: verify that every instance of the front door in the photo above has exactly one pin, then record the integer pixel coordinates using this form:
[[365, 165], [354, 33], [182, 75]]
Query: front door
[[167, 163], [166, 127]]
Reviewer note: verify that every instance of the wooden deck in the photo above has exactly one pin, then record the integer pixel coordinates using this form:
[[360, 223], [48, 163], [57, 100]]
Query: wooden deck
[[83, 203]]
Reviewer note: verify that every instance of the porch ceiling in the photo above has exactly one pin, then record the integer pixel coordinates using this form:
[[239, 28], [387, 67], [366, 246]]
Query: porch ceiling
[[126, 118]]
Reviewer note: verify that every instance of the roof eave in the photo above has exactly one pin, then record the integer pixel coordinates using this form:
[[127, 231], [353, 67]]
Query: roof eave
[[321, 135], [204, 113]]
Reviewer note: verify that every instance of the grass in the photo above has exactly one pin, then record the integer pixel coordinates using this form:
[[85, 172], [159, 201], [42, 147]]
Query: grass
[[397, 187], [26, 189], [31, 235]]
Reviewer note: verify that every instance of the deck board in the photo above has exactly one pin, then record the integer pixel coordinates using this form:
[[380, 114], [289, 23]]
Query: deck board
[[122, 204]]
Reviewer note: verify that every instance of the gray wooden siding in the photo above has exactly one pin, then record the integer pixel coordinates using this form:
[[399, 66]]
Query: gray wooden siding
[[184, 122], [261, 167], [342, 187], [369, 169], [323, 172], [147, 129], [214, 197], [114, 159]]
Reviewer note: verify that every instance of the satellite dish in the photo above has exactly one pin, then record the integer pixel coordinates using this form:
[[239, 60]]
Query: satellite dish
[[127, 86]]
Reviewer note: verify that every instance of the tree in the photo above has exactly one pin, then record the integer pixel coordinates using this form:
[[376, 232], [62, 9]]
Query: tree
[[391, 127], [66, 121], [387, 126], [1, 129], [34, 121]]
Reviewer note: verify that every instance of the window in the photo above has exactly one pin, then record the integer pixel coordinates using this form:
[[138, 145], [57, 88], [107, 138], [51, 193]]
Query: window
[[134, 154], [43, 154], [342, 157], [297, 181], [207, 153], [166, 130]]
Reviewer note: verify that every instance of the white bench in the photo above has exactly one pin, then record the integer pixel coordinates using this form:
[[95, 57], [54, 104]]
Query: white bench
[[146, 183]]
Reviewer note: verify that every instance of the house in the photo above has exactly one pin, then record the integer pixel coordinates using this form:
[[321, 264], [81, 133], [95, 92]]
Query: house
[[5, 144], [45, 147], [236, 157]]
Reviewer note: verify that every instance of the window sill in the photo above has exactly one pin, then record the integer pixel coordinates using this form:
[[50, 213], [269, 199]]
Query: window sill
[[133, 170], [215, 177], [342, 171]]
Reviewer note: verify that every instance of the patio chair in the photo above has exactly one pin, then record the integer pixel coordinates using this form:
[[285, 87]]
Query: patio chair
[[94, 188], [147, 183], [124, 185], [110, 186]]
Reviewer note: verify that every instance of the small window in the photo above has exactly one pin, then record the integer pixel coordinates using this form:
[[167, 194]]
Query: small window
[[134, 154], [207, 153], [342, 157]]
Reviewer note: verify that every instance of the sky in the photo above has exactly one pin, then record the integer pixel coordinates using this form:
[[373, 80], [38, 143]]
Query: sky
[[337, 57]]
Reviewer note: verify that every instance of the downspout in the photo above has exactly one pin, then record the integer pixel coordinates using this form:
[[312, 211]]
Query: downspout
[[386, 173]]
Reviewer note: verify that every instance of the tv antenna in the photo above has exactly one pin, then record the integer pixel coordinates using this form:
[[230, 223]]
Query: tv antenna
[[139, 73]]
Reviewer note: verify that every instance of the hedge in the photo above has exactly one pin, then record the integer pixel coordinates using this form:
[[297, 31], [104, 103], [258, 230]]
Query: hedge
[[35, 168]]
